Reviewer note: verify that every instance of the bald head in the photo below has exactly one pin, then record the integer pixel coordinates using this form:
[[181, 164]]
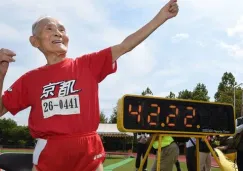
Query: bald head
[[36, 24], [42, 21]]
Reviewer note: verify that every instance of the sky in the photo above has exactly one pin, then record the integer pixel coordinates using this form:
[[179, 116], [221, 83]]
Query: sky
[[198, 46]]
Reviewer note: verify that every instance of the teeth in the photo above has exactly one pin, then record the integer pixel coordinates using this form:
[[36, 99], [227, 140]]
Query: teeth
[[57, 41]]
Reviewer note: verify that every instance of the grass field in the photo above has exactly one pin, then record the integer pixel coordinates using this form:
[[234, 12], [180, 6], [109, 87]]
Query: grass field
[[7, 150], [131, 165], [112, 160]]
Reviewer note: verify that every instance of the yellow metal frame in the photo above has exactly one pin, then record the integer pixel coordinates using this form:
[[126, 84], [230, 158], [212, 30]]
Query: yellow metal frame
[[159, 150], [120, 117]]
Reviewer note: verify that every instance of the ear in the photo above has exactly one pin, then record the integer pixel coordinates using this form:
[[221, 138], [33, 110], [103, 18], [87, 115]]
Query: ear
[[34, 42]]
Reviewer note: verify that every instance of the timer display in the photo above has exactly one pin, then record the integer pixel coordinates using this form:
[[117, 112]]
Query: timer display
[[173, 116]]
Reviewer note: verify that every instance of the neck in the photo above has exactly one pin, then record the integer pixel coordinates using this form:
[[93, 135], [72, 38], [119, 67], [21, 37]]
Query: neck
[[54, 58]]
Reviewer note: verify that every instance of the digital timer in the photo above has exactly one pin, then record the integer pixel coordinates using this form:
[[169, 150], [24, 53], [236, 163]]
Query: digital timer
[[173, 116]]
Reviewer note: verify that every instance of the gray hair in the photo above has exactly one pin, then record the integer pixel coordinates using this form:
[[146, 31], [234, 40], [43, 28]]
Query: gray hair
[[36, 23]]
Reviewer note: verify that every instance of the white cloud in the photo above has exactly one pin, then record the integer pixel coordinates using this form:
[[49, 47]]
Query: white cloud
[[179, 37], [235, 50], [237, 29]]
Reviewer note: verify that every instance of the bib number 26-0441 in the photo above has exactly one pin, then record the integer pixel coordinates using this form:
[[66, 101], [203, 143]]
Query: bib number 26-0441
[[67, 105]]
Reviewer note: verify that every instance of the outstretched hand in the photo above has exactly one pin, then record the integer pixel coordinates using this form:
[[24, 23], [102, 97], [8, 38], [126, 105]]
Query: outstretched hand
[[169, 11], [6, 56]]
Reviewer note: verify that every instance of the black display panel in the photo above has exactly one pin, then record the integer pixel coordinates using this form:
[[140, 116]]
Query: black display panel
[[153, 114]]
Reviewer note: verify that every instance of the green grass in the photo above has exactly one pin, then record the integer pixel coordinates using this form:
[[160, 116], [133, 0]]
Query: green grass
[[131, 165], [112, 160], [16, 150]]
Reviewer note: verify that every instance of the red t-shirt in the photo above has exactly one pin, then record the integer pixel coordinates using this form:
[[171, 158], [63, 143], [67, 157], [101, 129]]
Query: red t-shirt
[[63, 97]]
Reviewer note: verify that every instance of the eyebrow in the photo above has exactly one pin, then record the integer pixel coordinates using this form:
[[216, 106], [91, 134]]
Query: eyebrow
[[58, 25]]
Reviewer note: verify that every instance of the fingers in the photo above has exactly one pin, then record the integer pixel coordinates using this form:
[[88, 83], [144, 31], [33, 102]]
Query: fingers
[[7, 52], [7, 55], [173, 8], [7, 58], [171, 2]]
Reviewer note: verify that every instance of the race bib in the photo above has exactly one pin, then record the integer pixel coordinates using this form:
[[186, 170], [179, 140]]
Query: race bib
[[67, 105]]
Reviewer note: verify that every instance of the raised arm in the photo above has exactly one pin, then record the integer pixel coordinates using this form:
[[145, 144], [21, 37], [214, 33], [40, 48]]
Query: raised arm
[[6, 56], [170, 10]]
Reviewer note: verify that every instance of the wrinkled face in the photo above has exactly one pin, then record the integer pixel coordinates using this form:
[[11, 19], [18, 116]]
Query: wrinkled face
[[50, 36]]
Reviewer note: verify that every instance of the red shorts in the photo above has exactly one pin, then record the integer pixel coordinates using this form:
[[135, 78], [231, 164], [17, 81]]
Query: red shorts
[[74, 153]]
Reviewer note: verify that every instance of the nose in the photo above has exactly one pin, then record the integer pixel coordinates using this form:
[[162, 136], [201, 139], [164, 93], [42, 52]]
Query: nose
[[58, 33]]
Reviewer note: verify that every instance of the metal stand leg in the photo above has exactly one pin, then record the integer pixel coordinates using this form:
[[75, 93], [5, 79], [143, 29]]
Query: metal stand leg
[[147, 152], [197, 154], [159, 153], [213, 153]]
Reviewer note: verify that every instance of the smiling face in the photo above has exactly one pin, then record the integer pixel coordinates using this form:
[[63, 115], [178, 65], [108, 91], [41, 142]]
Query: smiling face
[[50, 37]]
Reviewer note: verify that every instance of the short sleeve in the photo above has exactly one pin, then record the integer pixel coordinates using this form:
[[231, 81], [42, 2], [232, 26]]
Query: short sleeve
[[15, 98], [100, 64]]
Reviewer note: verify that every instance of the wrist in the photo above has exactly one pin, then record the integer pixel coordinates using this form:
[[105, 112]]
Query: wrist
[[160, 19]]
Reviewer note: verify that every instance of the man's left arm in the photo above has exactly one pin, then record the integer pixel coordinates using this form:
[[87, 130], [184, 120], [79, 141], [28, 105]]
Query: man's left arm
[[170, 10]]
